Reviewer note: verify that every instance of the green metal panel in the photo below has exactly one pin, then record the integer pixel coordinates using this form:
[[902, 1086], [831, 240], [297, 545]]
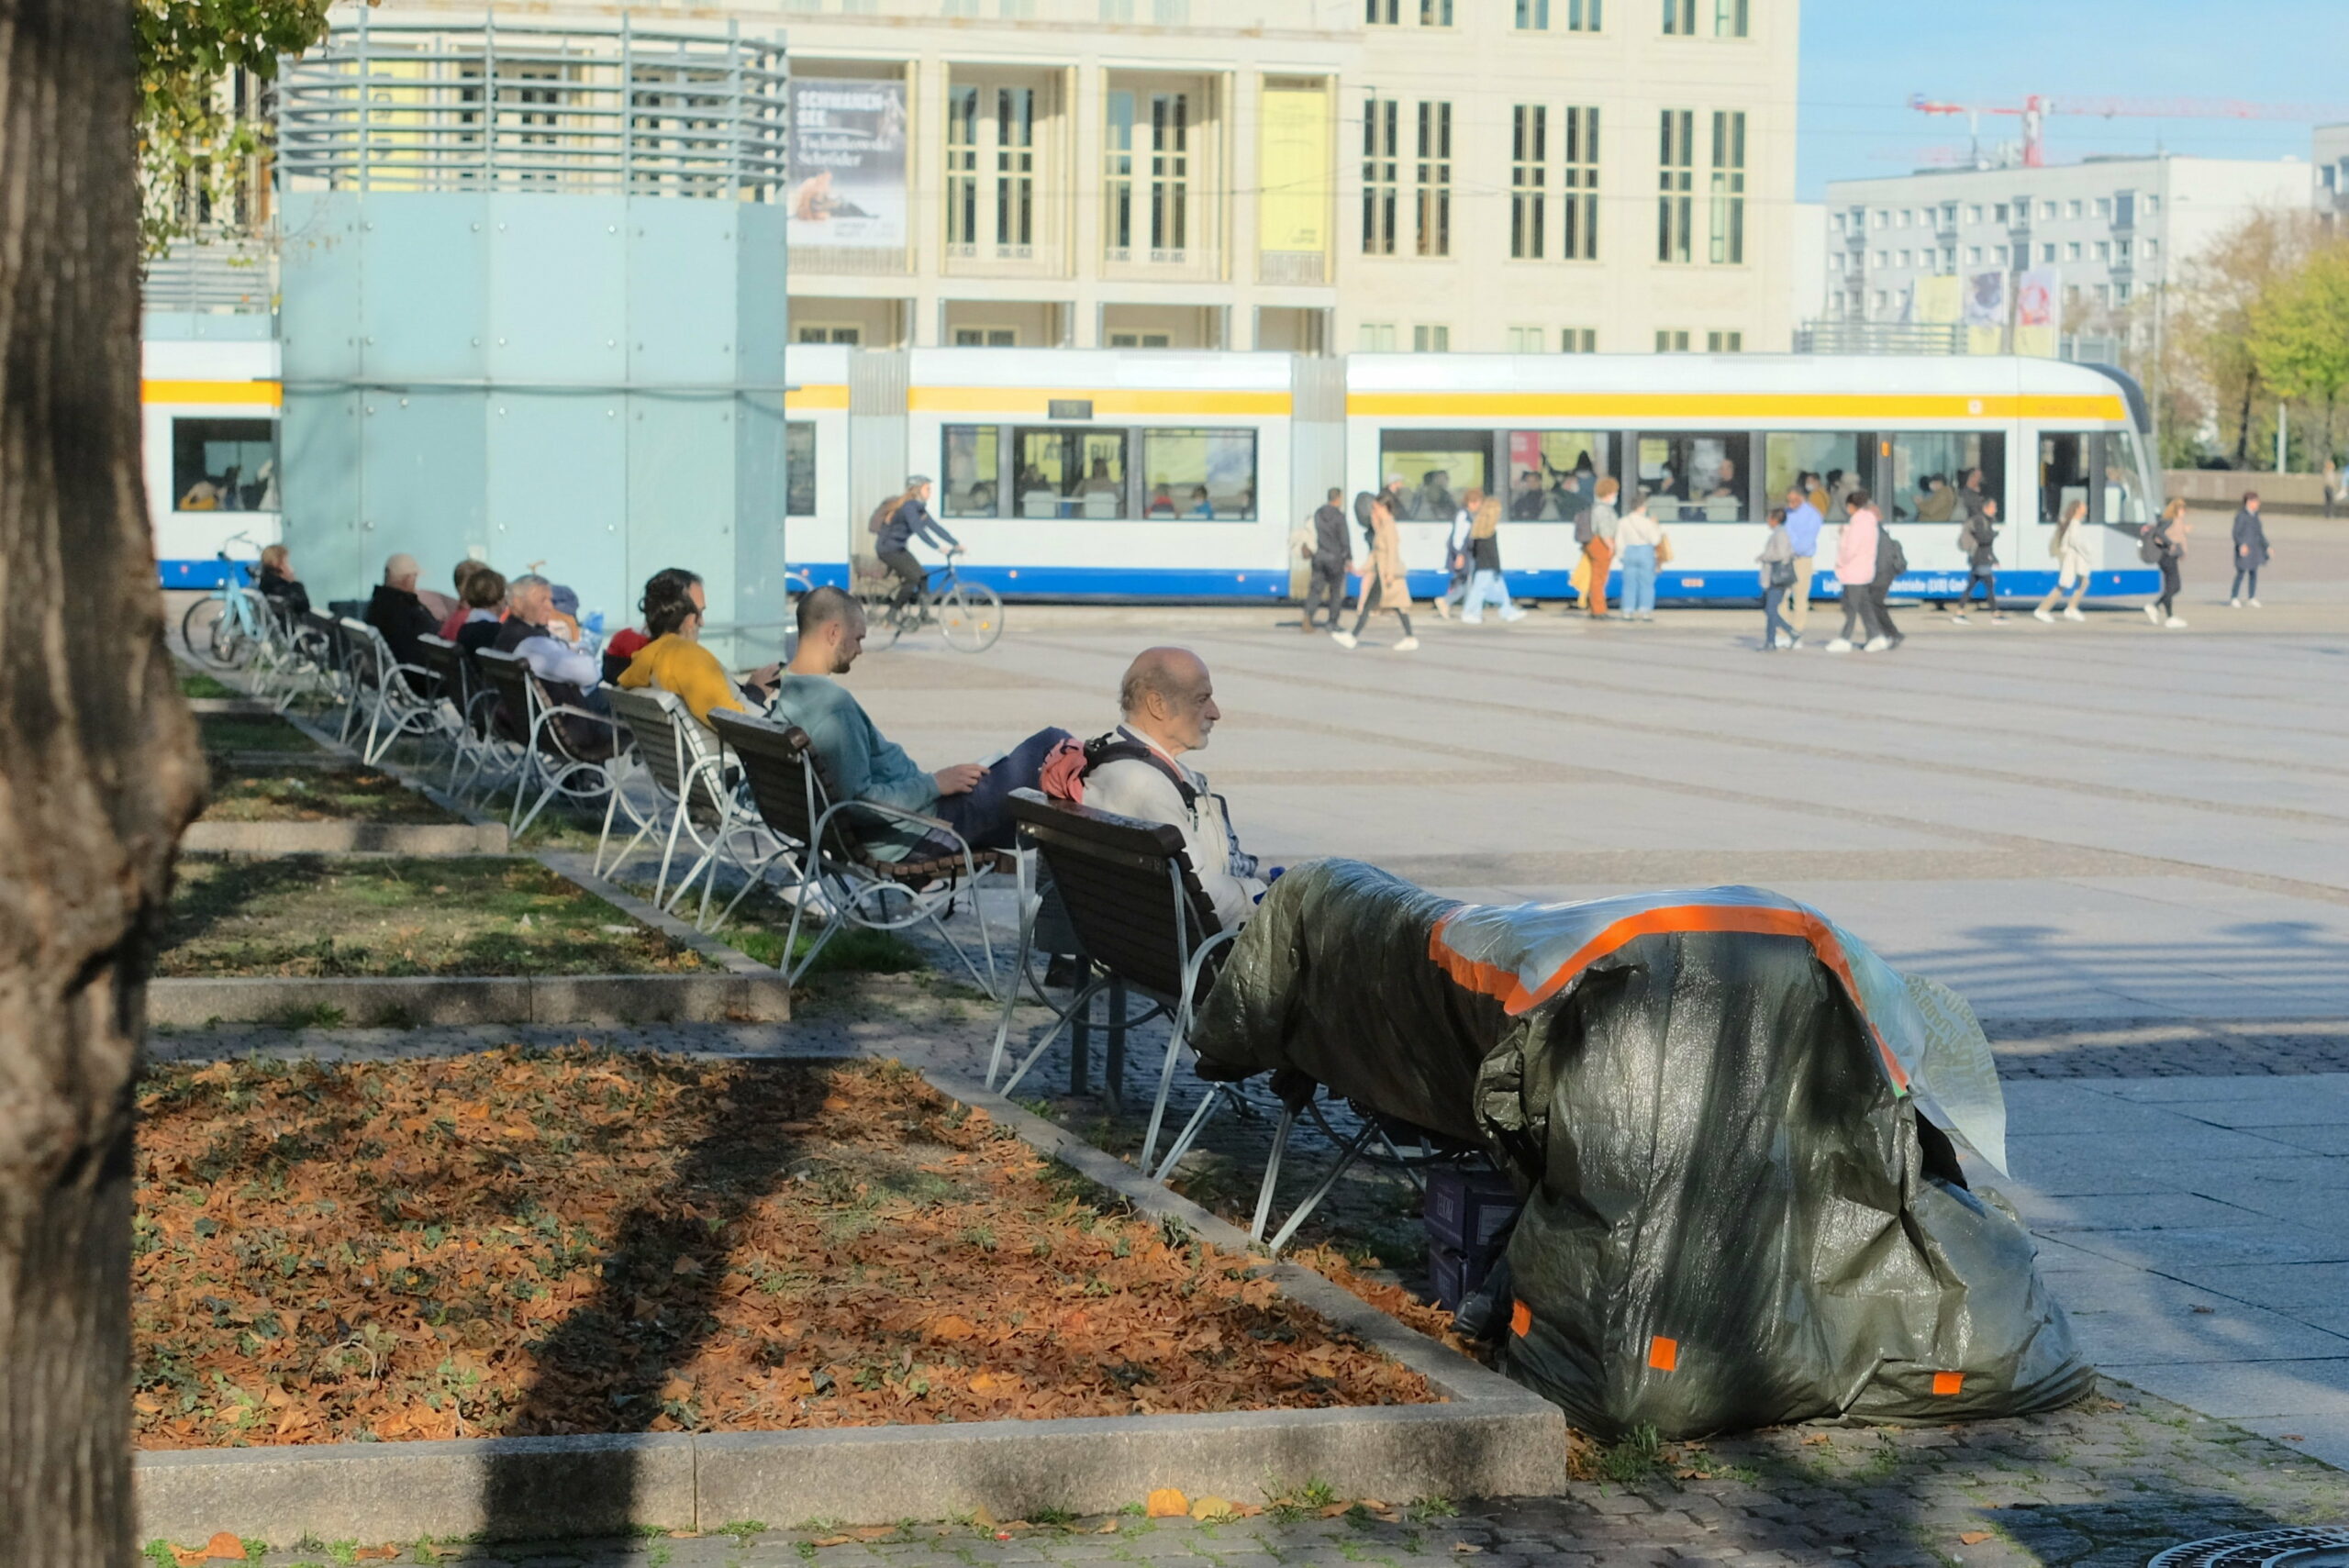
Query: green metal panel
[[423, 454], [680, 493], [681, 326], [424, 311], [319, 484], [761, 304], [558, 491], [319, 286], [758, 591], [558, 290]]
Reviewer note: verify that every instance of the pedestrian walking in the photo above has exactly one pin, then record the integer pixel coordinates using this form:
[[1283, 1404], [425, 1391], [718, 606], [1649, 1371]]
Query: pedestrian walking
[[1455, 555], [2070, 549], [1599, 546], [1891, 561], [1383, 583], [1804, 519], [1327, 551], [1637, 534], [2251, 551], [1778, 563], [1855, 550], [1485, 584], [1979, 537], [2165, 545], [2331, 484]]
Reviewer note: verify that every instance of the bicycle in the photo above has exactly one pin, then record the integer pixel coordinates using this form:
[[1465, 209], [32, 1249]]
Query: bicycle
[[223, 627], [969, 616]]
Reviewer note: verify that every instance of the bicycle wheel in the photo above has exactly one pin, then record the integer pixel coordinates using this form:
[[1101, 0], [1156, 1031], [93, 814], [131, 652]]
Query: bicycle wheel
[[200, 627], [971, 617], [233, 645]]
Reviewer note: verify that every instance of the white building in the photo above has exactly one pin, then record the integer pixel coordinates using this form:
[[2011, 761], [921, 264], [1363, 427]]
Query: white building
[[1314, 175], [2331, 161], [2113, 227]]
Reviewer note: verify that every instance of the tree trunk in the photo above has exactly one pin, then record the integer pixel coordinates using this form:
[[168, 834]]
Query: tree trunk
[[98, 773]]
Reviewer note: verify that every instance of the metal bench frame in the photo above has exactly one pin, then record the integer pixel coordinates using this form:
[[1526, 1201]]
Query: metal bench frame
[[549, 759], [692, 800]]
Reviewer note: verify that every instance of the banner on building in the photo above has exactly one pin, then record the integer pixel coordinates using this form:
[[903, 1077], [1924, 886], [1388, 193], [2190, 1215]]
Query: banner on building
[[848, 163], [1293, 199], [1984, 311], [2039, 311], [1940, 301]]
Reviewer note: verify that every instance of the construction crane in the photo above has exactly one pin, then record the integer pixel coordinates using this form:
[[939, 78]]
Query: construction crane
[[2033, 112]]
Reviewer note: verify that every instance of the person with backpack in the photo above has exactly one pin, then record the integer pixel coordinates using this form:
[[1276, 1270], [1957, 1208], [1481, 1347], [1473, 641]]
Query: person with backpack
[[1327, 551], [1856, 553], [2070, 549], [1778, 563], [1594, 531], [894, 525], [1978, 537], [1167, 700], [1455, 555], [2251, 550], [1486, 584], [2165, 547], [1891, 561]]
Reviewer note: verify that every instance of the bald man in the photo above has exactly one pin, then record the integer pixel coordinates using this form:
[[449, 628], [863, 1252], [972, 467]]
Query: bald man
[[398, 614], [1137, 770]]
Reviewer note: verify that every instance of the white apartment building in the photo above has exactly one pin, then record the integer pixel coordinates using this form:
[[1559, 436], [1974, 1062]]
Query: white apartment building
[[2331, 150], [2113, 227], [1308, 175]]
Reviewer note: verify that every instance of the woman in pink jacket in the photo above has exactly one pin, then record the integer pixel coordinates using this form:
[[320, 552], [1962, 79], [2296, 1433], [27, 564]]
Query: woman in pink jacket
[[1855, 571]]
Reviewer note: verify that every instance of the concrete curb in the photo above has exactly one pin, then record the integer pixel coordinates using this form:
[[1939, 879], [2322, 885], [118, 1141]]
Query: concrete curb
[[1490, 1439], [338, 838], [584, 999]]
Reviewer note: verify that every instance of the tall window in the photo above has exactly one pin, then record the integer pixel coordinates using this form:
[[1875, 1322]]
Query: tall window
[[1574, 16], [1431, 340], [1528, 166], [1015, 167], [1578, 340], [1379, 174], [1729, 186], [1526, 339], [1671, 342], [1580, 230], [1676, 184], [1724, 342], [1381, 13], [1118, 175], [1170, 175], [1435, 178], [1376, 336], [1435, 13], [962, 167], [1680, 16], [1732, 18]]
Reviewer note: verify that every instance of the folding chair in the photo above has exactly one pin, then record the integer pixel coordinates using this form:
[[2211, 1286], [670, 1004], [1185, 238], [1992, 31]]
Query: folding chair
[[326, 648], [856, 887], [398, 698], [692, 799], [1140, 915], [552, 755], [1295, 1092], [468, 717]]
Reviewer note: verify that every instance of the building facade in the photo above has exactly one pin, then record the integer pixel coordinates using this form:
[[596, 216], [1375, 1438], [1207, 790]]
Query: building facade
[[1304, 175], [2331, 148], [2113, 228]]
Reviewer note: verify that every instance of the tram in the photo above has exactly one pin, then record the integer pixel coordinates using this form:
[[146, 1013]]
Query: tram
[[1169, 474], [209, 410]]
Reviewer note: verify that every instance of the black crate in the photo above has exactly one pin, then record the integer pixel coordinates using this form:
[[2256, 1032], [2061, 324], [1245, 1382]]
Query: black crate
[[1468, 1209], [1455, 1275]]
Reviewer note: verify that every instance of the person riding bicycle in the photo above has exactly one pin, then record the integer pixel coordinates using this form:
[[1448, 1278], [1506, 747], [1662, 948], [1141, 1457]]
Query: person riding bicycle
[[911, 522]]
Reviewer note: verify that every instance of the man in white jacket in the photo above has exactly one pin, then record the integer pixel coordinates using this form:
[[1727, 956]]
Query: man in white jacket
[[1168, 700]]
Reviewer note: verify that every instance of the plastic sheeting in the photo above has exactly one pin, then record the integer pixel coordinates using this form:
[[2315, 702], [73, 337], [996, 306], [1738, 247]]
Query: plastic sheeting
[[1733, 1125]]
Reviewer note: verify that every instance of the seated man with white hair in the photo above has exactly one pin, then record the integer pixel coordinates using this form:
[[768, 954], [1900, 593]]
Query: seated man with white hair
[[399, 614], [1136, 769], [570, 674]]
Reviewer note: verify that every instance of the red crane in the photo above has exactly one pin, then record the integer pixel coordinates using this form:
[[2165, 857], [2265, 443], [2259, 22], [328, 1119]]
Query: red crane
[[2033, 112]]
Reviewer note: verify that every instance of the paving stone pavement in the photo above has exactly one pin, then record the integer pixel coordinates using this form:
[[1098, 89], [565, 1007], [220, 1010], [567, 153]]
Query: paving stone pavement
[[2104, 1484]]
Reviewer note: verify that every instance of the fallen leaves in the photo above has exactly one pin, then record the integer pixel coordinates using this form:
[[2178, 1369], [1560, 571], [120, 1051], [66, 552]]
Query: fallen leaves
[[1973, 1538], [513, 1243], [1167, 1503], [222, 1546]]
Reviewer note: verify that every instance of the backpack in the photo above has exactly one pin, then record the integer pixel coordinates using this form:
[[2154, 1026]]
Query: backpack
[[2149, 544], [1891, 561], [1102, 749], [883, 512]]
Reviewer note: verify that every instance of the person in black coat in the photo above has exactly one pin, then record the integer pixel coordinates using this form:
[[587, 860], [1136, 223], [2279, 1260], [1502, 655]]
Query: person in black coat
[[2251, 551], [277, 580], [1329, 553], [398, 614]]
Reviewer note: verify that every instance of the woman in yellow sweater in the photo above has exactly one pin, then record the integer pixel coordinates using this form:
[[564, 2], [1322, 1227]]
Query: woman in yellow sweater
[[674, 660]]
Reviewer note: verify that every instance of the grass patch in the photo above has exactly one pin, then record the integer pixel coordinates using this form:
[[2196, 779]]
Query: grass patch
[[196, 683], [509, 1243], [304, 917], [351, 794], [250, 732], [761, 922]]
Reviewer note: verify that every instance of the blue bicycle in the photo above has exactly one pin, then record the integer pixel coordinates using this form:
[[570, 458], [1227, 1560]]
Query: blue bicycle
[[223, 627]]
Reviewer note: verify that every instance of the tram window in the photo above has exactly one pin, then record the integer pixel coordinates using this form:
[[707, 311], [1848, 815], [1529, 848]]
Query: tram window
[[799, 468], [1200, 474], [1437, 467], [971, 461], [1696, 478], [1827, 465], [224, 465], [2065, 460], [1554, 475], [2124, 480], [1930, 469], [1068, 472]]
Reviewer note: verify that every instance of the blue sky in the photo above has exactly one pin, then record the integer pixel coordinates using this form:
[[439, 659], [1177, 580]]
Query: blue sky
[[1861, 58]]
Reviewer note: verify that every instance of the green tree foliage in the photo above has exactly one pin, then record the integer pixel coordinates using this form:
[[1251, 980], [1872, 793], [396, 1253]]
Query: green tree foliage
[[193, 144], [2300, 328]]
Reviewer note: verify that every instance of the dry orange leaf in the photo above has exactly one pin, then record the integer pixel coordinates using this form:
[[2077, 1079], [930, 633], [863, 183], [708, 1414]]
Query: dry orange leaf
[[377, 1553], [1211, 1508], [188, 1556], [833, 1540], [225, 1545], [1167, 1503], [952, 1329], [1974, 1538]]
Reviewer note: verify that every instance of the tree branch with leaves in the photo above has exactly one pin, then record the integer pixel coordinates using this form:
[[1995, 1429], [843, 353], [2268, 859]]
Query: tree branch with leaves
[[196, 141]]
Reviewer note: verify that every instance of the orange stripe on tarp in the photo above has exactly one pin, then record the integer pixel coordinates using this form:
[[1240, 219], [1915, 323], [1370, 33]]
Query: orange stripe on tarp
[[1664, 1354], [1492, 980], [1520, 1319], [1948, 1382]]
